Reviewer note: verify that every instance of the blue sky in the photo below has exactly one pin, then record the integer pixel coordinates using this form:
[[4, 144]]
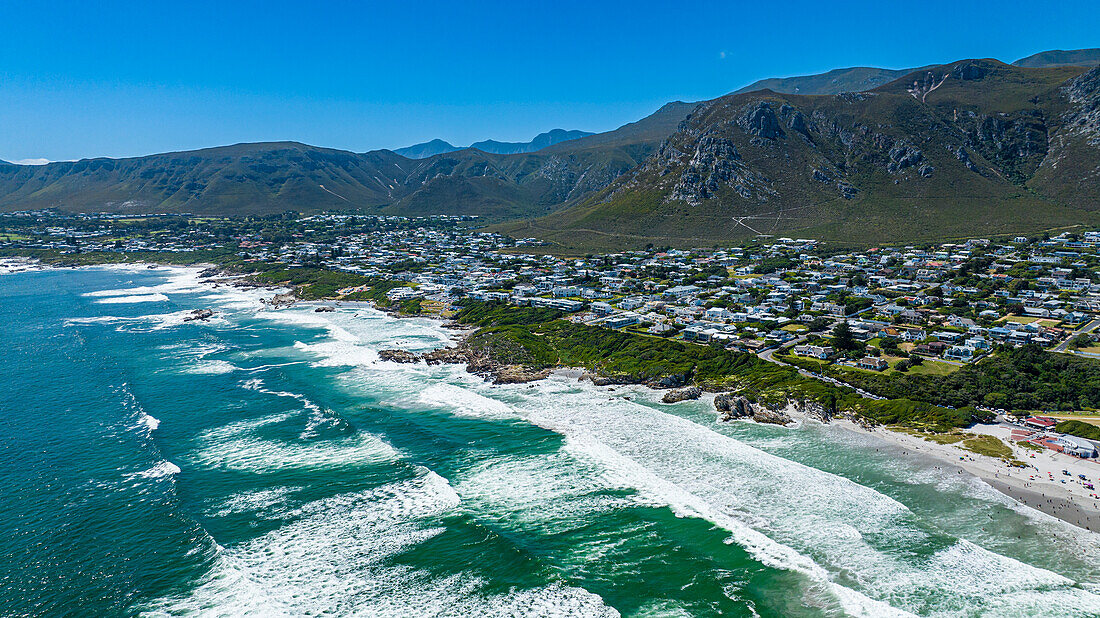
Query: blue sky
[[116, 79]]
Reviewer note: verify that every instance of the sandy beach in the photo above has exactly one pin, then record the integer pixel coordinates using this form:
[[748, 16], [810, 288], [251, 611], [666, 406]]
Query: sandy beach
[[1041, 485]]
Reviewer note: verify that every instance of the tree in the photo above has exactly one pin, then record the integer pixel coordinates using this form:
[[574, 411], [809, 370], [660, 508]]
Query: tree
[[842, 337]]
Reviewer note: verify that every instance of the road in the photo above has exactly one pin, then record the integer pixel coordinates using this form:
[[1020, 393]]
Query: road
[[769, 355], [1088, 328]]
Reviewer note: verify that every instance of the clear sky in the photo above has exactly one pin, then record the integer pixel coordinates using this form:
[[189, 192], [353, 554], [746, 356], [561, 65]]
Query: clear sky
[[84, 79]]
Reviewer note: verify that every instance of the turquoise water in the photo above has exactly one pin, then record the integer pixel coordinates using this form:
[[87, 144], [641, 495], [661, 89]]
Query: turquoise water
[[266, 463]]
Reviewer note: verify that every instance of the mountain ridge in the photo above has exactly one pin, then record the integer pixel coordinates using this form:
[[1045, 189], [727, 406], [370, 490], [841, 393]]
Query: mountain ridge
[[970, 147], [1089, 57], [540, 141]]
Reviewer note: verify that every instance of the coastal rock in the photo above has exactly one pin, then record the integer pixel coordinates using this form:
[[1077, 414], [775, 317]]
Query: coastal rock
[[447, 356], [281, 299], [596, 380], [731, 407], [762, 414], [675, 380], [199, 314], [813, 410], [324, 309], [398, 356], [518, 374], [682, 394]]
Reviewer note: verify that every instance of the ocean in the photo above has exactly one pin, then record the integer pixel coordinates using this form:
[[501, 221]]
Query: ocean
[[266, 463]]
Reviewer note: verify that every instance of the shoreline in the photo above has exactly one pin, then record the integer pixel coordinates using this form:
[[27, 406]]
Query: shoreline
[[1040, 494], [1028, 487]]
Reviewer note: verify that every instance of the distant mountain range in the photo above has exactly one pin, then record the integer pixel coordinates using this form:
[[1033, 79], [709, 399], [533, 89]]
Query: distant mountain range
[[973, 147], [1058, 57], [542, 140], [854, 79]]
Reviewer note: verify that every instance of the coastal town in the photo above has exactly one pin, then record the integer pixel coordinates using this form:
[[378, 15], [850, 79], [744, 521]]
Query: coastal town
[[920, 309], [839, 315]]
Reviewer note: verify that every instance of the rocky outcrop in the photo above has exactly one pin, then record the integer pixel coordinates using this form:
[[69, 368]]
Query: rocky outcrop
[[279, 300], [812, 410], [715, 165], [398, 356], [199, 314], [682, 394], [762, 414], [901, 156], [447, 356], [324, 309], [518, 374], [761, 121], [732, 407]]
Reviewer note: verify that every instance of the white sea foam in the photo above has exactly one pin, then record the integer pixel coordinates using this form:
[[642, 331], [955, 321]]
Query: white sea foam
[[135, 298], [164, 469], [263, 502], [771, 506], [212, 367], [149, 421], [461, 401], [332, 561], [146, 323], [237, 446]]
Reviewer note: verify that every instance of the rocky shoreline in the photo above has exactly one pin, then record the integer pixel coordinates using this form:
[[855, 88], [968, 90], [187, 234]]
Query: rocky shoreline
[[729, 406]]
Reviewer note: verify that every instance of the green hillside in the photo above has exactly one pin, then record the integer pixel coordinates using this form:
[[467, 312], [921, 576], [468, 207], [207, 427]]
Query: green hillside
[[954, 151], [853, 79], [1060, 57], [279, 176]]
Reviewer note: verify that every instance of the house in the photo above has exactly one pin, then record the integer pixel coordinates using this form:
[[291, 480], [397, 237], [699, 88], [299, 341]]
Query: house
[[813, 351], [601, 308], [622, 320], [905, 334], [873, 364], [959, 352], [1040, 422], [681, 291], [934, 348]]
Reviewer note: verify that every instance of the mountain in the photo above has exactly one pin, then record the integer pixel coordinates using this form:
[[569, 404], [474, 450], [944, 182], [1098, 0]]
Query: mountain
[[542, 140], [1058, 57], [975, 147], [278, 176], [969, 148], [854, 79], [238, 179], [426, 149]]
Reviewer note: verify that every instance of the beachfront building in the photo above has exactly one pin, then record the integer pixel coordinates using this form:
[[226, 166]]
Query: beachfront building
[[1080, 447]]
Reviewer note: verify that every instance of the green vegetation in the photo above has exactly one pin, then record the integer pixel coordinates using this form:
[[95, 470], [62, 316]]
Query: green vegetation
[[311, 283], [1029, 446], [1079, 428], [990, 446], [538, 338], [987, 190], [1025, 378]]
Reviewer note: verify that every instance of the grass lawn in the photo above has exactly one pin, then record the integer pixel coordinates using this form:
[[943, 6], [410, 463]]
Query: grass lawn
[[1028, 319], [933, 368], [1092, 349], [988, 445], [1085, 417], [795, 328]]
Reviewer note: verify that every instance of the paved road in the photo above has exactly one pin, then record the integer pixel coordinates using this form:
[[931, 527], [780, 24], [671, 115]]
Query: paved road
[[769, 355], [1091, 326]]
